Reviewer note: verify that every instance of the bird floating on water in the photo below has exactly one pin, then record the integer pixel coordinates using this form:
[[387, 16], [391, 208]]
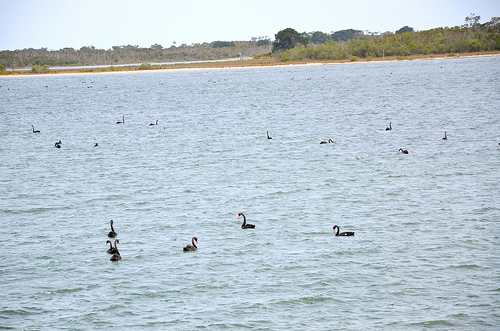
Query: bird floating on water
[[344, 234], [245, 225], [193, 247], [112, 233]]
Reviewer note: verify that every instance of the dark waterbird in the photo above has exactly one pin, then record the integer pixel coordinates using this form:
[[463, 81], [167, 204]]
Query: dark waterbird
[[112, 250], [35, 131], [245, 225], [122, 121], [193, 247], [112, 233], [345, 234], [404, 151], [58, 144], [445, 136], [116, 255], [389, 127]]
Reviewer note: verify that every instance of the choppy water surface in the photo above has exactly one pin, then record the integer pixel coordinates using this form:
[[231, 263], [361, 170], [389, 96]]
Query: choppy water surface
[[426, 249]]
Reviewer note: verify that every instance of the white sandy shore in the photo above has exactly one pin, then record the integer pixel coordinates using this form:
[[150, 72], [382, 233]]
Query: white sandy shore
[[239, 67]]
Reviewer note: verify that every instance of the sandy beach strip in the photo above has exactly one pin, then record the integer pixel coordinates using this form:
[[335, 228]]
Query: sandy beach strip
[[248, 66]]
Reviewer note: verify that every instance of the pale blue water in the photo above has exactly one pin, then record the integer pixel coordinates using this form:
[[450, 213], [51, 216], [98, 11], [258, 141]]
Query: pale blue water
[[426, 250]]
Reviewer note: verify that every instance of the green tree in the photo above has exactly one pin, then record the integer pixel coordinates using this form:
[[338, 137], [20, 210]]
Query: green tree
[[345, 35], [2, 68], [288, 39], [263, 42], [319, 37], [404, 29], [220, 44]]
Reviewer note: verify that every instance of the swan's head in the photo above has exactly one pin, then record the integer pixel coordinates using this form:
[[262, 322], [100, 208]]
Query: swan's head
[[108, 242], [117, 241], [240, 214], [111, 222], [195, 239]]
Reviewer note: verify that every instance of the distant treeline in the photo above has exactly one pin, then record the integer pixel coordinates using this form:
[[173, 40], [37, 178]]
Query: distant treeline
[[471, 37], [339, 45], [89, 55]]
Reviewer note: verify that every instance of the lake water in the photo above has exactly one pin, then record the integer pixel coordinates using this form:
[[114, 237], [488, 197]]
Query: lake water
[[426, 250]]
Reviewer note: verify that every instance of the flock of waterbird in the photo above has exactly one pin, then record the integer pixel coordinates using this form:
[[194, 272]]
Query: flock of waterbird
[[116, 256], [194, 240], [389, 128], [58, 143]]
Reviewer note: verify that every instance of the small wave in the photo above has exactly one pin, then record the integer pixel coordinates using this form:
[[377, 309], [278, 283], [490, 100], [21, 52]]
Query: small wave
[[435, 323]]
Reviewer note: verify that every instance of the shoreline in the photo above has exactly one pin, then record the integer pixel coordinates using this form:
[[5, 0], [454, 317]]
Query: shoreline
[[249, 64]]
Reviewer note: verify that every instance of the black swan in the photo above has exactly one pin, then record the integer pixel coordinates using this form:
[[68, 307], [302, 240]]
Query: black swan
[[116, 256], [96, 144], [113, 250], [404, 151], [35, 131], [122, 121], [345, 234], [151, 124], [193, 247], [268, 136], [112, 233], [445, 137], [58, 144], [390, 127], [245, 225], [326, 142]]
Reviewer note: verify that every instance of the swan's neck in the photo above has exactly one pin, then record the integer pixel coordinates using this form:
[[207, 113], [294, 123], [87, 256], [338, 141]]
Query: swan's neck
[[192, 241], [112, 227], [336, 230], [116, 248], [244, 219]]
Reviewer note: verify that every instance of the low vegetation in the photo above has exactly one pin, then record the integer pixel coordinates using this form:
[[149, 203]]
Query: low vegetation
[[471, 37], [289, 45]]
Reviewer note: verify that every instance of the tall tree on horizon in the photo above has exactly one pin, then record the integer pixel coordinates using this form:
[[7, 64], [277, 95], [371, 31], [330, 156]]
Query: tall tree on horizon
[[287, 39]]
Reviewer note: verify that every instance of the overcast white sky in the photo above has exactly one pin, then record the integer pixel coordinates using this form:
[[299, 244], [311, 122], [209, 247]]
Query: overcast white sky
[[56, 24]]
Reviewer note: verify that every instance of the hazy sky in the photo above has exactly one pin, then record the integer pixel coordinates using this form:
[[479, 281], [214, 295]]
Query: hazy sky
[[56, 24]]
